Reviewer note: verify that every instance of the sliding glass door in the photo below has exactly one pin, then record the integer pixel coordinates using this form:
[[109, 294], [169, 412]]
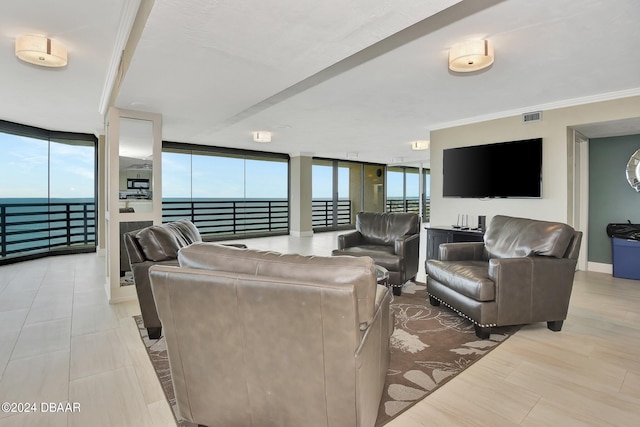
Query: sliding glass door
[[336, 193], [403, 189]]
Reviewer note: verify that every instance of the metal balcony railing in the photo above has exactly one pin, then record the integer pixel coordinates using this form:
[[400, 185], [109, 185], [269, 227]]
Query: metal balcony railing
[[322, 213], [229, 217], [39, 227]]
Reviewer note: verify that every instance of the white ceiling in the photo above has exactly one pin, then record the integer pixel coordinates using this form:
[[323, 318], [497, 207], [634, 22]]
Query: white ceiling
[[327, 78]]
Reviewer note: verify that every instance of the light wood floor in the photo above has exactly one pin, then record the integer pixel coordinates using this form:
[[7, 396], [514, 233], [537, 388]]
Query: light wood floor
[[60, 341]]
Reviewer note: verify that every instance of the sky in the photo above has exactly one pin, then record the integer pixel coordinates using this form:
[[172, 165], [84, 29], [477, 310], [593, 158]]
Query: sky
[[24, 168]]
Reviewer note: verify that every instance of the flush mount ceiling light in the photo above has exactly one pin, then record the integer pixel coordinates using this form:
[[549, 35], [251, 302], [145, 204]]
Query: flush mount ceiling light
[[420, 145], [472, 55], [262, 136], [40, 50]]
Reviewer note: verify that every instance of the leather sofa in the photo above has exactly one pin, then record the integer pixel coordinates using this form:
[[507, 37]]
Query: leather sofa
[[522, 273], [156, 244], [391, 239], [259, 338]]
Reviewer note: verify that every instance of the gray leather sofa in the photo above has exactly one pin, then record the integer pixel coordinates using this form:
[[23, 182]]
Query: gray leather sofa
[[522, 273], [260, 338], [391, 239], [156, 244]]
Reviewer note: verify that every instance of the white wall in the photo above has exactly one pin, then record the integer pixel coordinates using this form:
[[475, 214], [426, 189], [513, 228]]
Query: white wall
[[556, 203]]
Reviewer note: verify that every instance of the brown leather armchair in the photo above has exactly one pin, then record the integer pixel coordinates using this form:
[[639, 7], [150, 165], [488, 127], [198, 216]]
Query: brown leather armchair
[[391, 239], [522, 273], [262, 338], [156, 244]]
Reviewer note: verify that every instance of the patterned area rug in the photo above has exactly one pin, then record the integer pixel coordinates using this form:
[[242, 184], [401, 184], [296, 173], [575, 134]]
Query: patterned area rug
[[430, 346]]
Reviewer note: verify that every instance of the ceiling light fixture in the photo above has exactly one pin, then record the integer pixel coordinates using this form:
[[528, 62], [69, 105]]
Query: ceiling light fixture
[[420, 145], [262, 136], [40, 50], [472, 55]]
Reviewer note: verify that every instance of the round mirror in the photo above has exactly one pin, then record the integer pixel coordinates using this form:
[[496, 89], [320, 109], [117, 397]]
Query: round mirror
[[633, 171]]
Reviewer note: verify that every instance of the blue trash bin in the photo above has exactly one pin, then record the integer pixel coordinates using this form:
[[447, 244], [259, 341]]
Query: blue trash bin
[[626, 258]]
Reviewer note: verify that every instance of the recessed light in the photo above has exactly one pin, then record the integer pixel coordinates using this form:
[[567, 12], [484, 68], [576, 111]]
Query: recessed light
[[262, 136]]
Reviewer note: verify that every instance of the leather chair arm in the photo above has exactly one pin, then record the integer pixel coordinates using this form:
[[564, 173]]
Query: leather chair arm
[[407, 245], [349, 240], [462, 251], [531, 289]]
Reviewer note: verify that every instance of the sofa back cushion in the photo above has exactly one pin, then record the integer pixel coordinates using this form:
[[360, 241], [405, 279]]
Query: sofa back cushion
[[162, 242], [354, 271], [384, 228], [509, 237]]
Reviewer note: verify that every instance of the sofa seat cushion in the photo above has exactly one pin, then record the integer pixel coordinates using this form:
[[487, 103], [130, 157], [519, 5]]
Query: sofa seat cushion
[[469, 278], [382, 255]]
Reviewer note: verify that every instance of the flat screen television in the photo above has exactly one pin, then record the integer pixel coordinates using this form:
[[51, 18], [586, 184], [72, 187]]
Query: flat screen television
[[501, 170], [137, 184]]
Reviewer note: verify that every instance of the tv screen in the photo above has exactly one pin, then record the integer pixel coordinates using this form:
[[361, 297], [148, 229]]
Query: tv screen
[[505, 169]]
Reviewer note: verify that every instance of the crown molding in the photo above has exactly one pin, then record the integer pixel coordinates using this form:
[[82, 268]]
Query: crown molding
[[541, 107]]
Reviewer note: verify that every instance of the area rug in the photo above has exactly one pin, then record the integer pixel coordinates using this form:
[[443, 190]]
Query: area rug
[[430, 346]]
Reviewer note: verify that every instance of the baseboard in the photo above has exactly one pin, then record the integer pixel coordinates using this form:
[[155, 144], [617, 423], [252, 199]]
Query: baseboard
[[295, 233], [600, 267]]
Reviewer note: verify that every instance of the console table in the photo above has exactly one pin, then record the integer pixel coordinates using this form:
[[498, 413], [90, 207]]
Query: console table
[[446, 234]]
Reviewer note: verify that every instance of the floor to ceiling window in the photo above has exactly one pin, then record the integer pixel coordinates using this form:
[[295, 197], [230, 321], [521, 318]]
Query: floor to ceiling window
[[225, 192], [426, 195], [403, 190], [47, 196], [340, 189]]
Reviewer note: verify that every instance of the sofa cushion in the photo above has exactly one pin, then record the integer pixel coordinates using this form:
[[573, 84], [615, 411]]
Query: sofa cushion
[[186, 233], [384, 228], [383, 256], [158, 243], [162, 242], [331, 270], [469, 278], [509, 237]]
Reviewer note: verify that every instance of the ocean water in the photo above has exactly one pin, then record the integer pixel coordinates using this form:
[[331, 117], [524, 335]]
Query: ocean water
[[36, 224]]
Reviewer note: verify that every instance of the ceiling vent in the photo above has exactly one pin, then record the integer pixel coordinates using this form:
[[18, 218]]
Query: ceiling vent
[[536, 116]]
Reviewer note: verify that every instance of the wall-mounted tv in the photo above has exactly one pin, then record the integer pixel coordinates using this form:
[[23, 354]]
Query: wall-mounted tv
[[505, 169]]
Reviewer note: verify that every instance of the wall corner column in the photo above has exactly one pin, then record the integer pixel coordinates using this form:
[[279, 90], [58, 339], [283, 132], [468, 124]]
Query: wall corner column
[[300, 206]]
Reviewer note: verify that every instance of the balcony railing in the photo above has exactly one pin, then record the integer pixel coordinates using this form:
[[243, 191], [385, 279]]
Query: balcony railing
[[39, 227], [409, 205], [229, 217], [322, 213]]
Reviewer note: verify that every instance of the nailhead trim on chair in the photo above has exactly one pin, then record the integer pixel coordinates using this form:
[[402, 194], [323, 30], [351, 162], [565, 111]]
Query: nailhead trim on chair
[[490, 325]]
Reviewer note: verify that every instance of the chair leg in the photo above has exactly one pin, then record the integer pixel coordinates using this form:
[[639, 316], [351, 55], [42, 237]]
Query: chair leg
[[434, 302], [555, 325], [482, 332], [154, 333]]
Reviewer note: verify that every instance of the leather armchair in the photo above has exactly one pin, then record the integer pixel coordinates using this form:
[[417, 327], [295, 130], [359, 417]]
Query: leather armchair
[[391, 239], [522, 273], [156, 244], [262, 338]]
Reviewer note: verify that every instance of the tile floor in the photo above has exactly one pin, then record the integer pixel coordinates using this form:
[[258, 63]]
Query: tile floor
[[61, 341]]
